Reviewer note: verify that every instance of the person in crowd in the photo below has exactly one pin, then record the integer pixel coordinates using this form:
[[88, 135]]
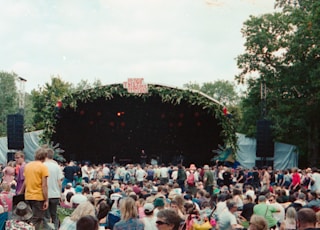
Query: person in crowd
[[266, 211], [306, 219], [174, 206], [103, 208], [69, 173], [237, 197], [296, 180], [35, 187], [181, 177], [258, 223], [140, 175], [247, 210], [83, 209], [129, 216], [164, 174], [78, 197], [158, 204], [315, 180], [168, 219], [20, 161], [265, 180], [208, 179], [313, 201], [87, 222], [6, 197], [279, 216], [250, 192], [149, 220], [85, 172], [227, 219], [289, 222], [9, 173], [54, 190]]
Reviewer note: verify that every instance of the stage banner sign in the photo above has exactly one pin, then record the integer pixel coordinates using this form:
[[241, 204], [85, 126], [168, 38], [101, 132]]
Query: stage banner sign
[[135, 85]]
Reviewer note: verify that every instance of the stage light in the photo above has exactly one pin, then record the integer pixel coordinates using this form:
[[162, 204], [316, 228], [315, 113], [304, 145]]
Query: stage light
[[82, 112], [119, 114]]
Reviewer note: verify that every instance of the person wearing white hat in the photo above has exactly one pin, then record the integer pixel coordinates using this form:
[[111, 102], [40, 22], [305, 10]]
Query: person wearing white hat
[[149, 220]]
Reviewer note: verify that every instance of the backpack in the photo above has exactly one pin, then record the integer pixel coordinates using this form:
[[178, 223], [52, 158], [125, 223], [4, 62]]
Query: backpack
[[127, 177], [190, 179]]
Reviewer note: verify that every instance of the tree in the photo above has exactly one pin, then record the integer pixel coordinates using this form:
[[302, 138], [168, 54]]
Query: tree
[[222, 91], [282, 52], [8, 99], [45, 99]]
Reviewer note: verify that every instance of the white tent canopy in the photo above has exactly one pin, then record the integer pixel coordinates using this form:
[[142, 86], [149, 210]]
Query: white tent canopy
[[285, 156]]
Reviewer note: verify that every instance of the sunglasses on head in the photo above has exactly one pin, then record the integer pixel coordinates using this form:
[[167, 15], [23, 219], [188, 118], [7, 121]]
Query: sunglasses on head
[[159, 222]]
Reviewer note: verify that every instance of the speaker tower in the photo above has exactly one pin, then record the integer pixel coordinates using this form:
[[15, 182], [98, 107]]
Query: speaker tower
[[265, 144], [15, 131]]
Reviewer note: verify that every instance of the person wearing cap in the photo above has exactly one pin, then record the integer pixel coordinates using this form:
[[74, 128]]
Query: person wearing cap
[[54, 189], [35, 186], [78, 198], [158, 204], [149, 220], [208, 179]]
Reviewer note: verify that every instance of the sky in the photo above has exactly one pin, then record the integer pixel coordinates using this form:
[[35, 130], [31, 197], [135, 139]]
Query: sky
[[169, 42]]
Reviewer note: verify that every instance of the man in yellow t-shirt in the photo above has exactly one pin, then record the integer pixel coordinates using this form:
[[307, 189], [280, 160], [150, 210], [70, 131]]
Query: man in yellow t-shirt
[[35, 186]]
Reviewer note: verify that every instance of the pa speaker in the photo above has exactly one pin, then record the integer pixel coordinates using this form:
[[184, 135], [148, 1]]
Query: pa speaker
[[10, 156], [262, 163], [15, 131], [265, 144]]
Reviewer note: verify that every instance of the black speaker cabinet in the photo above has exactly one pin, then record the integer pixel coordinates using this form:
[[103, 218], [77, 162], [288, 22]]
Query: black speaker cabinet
[[262, 163], [10, 156], [15, 131], [265, 144]]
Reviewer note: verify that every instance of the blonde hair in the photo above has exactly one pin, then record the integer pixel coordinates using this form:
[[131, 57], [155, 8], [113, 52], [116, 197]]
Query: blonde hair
[[259, 222], [291, 215], [83, 209], [128, 209]]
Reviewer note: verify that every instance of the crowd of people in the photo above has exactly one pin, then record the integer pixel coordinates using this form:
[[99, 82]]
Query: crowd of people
[[45, 194]]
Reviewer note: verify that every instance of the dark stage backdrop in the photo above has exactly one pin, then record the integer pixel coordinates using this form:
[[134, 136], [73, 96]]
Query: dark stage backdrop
[[122, 127]]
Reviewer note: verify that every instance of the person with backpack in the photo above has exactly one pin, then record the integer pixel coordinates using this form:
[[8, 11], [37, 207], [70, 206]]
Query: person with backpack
[[192, 178]]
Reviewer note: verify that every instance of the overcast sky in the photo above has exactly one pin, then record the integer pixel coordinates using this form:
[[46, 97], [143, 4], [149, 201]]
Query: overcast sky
[[169, 42]]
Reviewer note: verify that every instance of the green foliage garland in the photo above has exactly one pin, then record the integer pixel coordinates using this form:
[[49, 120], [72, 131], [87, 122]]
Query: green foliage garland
[[167, 95]]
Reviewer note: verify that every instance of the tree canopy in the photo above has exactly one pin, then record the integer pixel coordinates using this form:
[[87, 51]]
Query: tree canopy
[[282, 52]]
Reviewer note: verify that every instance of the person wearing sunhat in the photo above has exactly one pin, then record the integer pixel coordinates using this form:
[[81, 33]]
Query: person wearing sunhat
[[21, 216]]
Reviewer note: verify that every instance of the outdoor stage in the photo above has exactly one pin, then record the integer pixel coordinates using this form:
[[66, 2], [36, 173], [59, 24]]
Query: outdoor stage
[[121, 126]]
